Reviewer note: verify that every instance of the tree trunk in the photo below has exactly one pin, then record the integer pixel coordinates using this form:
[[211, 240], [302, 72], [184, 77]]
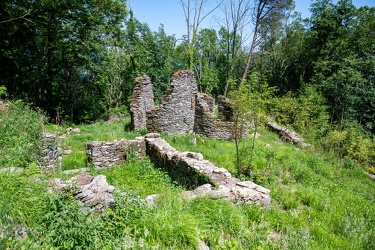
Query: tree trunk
[[250, 56]]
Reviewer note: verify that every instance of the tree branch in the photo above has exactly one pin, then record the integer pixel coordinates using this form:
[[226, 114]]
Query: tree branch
[[17, 18]]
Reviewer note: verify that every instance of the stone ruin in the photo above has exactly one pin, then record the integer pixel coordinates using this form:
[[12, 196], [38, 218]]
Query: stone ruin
[[200, 176], [207, 124], [51, 152], [182, 109], [106, 154], [93, 191], [175, 113], [224, 108], [142, 101], [287, 134]]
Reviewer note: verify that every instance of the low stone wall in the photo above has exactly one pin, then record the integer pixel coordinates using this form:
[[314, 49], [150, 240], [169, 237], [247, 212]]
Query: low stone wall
[[287, 134], [51, 152], [106, 154], [207, 124], [164, 156], [175, 114], [200, 176], [142, 101], [191, 170]]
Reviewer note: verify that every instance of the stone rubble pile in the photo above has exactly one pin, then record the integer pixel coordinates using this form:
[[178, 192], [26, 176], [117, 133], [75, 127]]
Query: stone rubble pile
[[93, 192], [3, 106], [288, 134]]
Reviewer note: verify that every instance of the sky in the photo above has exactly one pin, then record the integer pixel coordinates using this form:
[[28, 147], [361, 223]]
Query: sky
[[171, 15]]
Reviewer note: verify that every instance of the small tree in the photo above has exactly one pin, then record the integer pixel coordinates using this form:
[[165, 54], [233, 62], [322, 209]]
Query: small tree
[[249, 106], [241, 117]]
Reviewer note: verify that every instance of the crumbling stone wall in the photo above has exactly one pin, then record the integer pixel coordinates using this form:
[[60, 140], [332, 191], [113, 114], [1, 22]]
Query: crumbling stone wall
[[205, 178], [106, 154], [188, 168], [182, 110], [142, 101], [207, 124], [287, 134], [175, 114], [167, 158], [51, 152]]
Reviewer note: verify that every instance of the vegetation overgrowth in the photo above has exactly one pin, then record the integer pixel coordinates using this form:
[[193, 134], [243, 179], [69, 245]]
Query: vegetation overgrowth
[[318, 202], [20, 133], [315, 76]]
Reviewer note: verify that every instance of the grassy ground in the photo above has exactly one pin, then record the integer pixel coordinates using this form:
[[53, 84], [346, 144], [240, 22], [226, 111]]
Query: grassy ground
[[317, 202]]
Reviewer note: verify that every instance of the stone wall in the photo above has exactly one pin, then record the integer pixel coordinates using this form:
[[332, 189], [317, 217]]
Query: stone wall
[[207, 124], [200, 176], [192, 171], [164, 156], [184, 110], [175, 114], [106, 154], [142, 101], [51, 152]]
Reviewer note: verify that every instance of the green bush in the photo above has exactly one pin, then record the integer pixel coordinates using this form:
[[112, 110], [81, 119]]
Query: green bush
[[305, 112], [351, 144], [20, 133]]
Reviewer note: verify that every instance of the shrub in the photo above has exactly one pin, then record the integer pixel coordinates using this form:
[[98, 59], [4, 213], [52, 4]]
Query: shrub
[[20, 133], [306, 112], [351, 144]]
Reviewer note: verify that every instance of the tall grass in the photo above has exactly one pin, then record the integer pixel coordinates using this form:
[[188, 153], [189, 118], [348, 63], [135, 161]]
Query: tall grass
[[318, 202], [20, 133]]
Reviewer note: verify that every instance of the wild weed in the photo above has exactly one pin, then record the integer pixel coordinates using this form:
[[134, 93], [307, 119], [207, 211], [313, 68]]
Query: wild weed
[[20, 133]]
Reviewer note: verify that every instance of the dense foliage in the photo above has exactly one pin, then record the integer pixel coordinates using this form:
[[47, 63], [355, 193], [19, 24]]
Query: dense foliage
[[78, 59], [20, 134]]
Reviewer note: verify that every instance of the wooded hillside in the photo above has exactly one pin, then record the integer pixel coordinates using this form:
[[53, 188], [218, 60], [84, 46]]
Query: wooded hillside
[[77, 61]]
